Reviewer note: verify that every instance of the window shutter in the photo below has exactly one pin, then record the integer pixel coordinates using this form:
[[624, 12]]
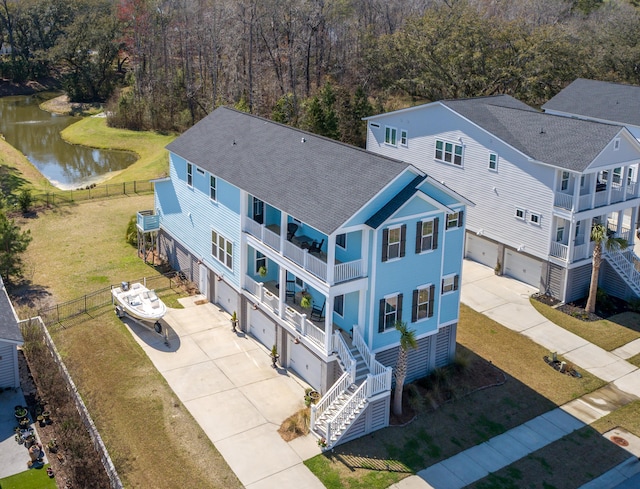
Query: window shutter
[[385, 244], [418, 237], [399, 311], [403, 239], [460, 214], [442, 286], [456, 279], [436, 221], [414, 307], [381, 320], [432, 299]]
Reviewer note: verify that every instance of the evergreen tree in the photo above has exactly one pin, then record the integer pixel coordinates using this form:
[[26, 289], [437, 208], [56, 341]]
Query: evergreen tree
[[13, 242]]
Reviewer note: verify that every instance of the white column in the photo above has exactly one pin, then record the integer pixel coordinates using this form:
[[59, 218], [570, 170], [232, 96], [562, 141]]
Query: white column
[[625, 169], [632, 226], [576, 193], [282, 280], [328, 322], [364, 252], [244, 247], [572, 240], [283, 230], [331, 257]]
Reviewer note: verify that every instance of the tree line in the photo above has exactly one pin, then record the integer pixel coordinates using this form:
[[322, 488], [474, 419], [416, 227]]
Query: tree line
[[316, 64]]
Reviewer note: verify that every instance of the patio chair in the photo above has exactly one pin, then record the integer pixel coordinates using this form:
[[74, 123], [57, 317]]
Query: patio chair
[[290, 292], [317, 313], [316, 247], [292, 227]]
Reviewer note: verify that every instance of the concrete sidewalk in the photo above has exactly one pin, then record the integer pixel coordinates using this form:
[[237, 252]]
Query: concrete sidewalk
[[226, 381]]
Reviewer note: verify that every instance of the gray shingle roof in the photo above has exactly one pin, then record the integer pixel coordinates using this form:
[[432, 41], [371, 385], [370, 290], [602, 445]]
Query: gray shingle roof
[[9, 329], [317, 180], [563, 142], [394, 204], [606, 101]]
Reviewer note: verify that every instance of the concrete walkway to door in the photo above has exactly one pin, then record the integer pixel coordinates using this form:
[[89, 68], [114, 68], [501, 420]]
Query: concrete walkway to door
[[226, 381]]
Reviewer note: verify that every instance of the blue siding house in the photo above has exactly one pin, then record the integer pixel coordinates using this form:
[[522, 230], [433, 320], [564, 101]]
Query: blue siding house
[[319, 247]]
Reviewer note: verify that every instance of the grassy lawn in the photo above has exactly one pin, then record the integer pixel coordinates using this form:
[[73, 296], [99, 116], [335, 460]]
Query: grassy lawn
[[635, 360], [608, 334], [153, 159], [30, 479], [151, 437], [627, 417], [532, 388], [79, 249], [571, 461]]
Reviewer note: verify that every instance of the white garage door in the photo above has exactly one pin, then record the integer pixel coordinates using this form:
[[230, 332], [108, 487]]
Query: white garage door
[[481, 250], [305, 364], [262, 328], [522, 267], [226, 296]]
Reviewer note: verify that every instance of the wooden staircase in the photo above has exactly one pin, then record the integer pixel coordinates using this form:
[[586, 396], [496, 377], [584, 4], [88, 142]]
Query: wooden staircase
[[349, 397]]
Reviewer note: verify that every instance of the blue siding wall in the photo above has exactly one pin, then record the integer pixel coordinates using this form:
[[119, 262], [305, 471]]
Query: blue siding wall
[[350, 317], [353, 250], [403, 275], [190, 215]]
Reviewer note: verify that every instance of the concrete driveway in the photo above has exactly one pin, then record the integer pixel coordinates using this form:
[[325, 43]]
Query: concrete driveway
[[226, 381]]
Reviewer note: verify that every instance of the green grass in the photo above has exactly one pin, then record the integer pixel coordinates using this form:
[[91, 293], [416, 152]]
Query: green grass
[[17, 172], [532, 388], [608, 334], [153, 161], [627, 417], [571, 461], [29, 479], [635, 360]]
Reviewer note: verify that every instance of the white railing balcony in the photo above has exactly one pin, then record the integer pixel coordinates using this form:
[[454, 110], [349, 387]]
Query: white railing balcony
[[380, 375], [315, 266], [295, 254], [148, 221], [271, 300], [253, 228], [564, 201], [271, 239], [263, 233], [348, 271], [601, 199], [631, 190], [617, 194], [584, 202], [559, 250]]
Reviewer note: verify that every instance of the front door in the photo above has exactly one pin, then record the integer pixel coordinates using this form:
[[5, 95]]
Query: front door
[[203, 281]]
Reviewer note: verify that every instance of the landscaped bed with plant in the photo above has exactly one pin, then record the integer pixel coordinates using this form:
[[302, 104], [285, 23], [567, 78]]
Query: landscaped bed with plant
[[449, 418]]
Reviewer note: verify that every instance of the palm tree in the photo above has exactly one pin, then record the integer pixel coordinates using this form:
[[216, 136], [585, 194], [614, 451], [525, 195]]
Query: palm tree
[[407, 341], [600, 235]]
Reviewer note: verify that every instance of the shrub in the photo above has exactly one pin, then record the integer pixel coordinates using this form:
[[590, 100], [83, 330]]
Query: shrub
[[132, 231], [25, 200]]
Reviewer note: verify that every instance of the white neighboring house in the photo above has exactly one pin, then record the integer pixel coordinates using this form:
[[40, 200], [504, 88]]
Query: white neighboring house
[[599, 101], [5, 49], [10, 339], [539, 181]]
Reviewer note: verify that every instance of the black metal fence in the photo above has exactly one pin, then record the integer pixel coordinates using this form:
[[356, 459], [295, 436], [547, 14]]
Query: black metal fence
[[61, 197], [101, 298]]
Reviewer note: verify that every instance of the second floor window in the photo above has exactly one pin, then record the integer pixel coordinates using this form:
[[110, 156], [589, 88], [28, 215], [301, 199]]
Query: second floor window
[[189, 174], [338, 305], [261, 261], [393, 242], [212, 187], [427, 235], [222, 249], [493, 161], [341, 241], [454, 220], [449, 152], [390, 312], [564, 183], [404, 138], [390, 135], [258, 210]]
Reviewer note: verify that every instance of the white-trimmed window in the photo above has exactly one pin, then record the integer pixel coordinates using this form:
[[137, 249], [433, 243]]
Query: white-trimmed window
[[258, 210], [261, 261], [338, 305], [617, 176], [390, 312], [427, 235], [449, 152], [299, 283], [564, 181], [222, 249], [450, 283], [189, 174], [520, 213], [493, 162], [534, 218], [390, 135], [393, 242], [404, 137], [423, 301], [341, 241], [212, 187], [454, 220], [629, 176], [560, 234]]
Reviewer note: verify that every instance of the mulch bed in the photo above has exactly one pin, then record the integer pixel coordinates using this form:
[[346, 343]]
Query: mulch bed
[[604, 309]]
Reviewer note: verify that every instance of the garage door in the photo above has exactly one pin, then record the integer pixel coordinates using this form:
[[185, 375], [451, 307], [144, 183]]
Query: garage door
[[481, 250], [262, 328], [522, 267], [305, 364], [226, 297]]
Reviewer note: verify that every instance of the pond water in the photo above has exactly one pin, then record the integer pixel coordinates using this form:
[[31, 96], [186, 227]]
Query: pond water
[[36, 133]]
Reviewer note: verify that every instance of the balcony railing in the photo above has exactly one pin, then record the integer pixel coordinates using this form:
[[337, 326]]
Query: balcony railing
[[618, 194], [148, 221], [580, 251]]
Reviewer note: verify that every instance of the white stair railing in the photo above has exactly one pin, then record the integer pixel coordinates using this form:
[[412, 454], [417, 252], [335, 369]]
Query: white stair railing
[[624, 261], [336, 426]]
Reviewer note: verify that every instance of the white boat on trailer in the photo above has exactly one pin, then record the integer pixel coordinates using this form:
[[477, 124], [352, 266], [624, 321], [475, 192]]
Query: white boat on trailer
[[139, 303]]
